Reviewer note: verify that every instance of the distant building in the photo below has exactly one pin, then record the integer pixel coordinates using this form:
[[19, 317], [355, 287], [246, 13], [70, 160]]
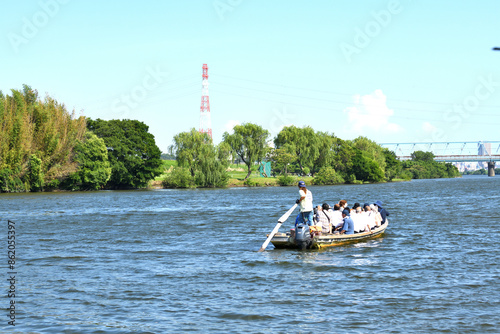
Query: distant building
[[466, 166], [483, 149]]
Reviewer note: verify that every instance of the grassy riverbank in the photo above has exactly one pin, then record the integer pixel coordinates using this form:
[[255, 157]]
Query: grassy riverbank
[[237, 174]]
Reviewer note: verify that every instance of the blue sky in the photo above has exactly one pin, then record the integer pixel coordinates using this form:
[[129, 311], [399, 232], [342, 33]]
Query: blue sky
[[393, 71]]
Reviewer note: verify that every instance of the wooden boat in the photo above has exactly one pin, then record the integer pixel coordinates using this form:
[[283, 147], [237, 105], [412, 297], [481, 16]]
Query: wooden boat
[[322, 240]]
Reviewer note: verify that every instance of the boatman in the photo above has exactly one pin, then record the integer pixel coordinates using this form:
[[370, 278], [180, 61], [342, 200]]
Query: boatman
[[306, 205]]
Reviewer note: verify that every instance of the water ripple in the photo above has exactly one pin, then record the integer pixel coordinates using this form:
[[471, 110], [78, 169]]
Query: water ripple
[[186, 261]]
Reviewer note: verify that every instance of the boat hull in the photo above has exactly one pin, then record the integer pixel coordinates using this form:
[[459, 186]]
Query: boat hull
[[285, 240]]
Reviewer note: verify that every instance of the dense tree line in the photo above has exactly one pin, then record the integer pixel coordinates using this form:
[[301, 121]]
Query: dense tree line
[[45, 147], [481, 171], [298, 151], [423, 166], [37, 141]]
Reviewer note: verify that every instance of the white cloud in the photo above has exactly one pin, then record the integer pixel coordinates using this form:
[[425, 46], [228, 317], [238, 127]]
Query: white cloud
[[370, 114]]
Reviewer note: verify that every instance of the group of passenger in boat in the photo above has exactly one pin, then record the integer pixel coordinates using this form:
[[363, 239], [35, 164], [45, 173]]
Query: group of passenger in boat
[[342, 219]]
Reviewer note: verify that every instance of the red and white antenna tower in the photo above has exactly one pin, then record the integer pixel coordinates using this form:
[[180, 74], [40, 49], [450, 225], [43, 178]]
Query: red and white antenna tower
[[205, 122]]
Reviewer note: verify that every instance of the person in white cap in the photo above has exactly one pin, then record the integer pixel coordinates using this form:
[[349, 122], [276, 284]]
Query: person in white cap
[[306, 205]]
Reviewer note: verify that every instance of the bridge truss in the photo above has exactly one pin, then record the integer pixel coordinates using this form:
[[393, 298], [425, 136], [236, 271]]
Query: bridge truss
[[464, 155], [474, 151]]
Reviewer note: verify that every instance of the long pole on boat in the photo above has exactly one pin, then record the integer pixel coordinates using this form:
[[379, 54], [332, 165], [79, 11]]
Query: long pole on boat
[[277, 227]]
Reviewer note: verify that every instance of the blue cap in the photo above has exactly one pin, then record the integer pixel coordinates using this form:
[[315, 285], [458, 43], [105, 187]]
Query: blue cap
[[378, 203], [302, 184], [346, 212]]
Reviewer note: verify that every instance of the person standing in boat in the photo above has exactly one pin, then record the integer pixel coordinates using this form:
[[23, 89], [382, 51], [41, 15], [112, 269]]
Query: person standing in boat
[[306, 205], [383, 212]]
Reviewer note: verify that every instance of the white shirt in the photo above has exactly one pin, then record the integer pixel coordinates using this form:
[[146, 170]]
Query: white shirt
[[337, 218], [359, 220], [356, 221], [306, 205], [370, 218]]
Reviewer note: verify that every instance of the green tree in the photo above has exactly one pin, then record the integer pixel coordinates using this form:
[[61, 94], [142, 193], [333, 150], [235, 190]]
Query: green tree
[[325, 157], [392, 165], [417, 169], [56, 132], [94, 169], [223, 153], [35, 175], [205, 163], [286, 180], [249, 143], [16, 132], [422, 156], [343, 154], [11, 182], [31, 127], [423, 166], [188, 149], [371, 150], [179, 177], [452, 170], [305, 142], [365, 168], [212, 169], [132, 152], [281, 158], [327, 175]]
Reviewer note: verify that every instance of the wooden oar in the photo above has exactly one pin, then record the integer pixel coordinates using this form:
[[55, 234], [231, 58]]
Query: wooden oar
[[277, 227]]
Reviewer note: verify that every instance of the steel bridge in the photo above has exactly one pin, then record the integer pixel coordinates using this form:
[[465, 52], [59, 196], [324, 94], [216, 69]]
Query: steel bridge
[[482, 152]]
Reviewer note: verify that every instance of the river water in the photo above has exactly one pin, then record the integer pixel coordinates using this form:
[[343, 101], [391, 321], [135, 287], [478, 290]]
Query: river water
[[177, 261]]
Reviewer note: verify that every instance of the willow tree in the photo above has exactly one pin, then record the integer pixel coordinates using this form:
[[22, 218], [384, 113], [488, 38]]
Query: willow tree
[[342, 156], [205, 163], [189, 149], [249, 143], [325, 144], [306, 144]]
